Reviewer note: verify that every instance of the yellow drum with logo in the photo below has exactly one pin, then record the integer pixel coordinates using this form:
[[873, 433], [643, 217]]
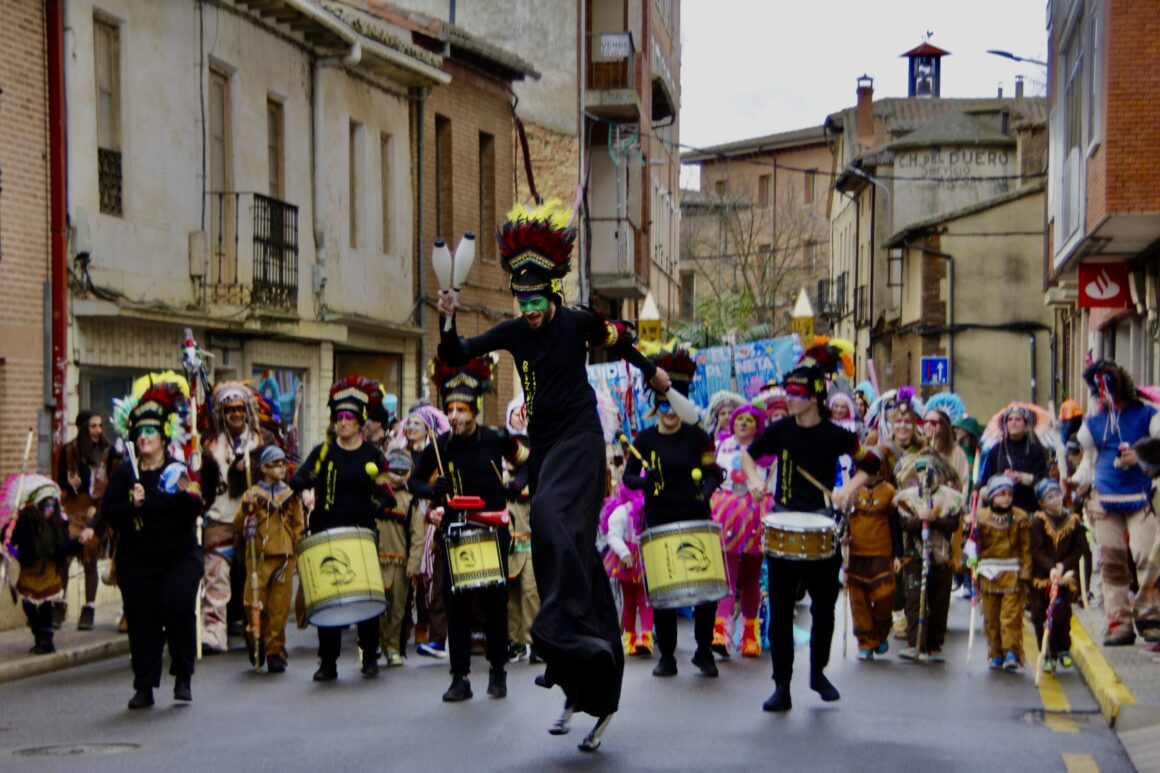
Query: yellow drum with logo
[[340, 576], [473, 558], [684, 564]]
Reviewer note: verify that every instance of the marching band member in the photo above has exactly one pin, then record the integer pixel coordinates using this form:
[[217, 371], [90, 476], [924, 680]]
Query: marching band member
[[1004, 568], [270, 517], [740, 517], [805, 441], [343, 474], [153, 508], [673, 451], [466, 462], [576, 632]]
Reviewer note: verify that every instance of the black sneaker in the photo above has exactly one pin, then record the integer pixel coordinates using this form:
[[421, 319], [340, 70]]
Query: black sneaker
[[497, 683], [667, 666], [779, 701], [182, 691], [327, 672], [276, 665], [370, 667], [821, 685], [88, 614], [460, 690], [142, 699], [706, 662]]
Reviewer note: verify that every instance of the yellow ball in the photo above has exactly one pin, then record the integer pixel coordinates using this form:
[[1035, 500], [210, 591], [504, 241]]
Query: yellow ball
[[696, 476], [372, 469]]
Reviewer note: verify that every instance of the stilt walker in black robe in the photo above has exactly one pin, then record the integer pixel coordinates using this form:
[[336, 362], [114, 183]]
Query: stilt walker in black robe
[[576, 632]]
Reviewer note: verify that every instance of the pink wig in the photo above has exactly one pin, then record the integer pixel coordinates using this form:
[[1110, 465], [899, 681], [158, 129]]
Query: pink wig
[[757, 414], [635, 500]]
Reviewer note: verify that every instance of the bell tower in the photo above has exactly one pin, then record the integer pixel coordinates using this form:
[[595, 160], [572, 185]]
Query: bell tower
[[924, 73]]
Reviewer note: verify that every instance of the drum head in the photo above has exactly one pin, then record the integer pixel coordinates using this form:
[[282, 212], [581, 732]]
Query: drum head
[[347, 614], [797, 521]]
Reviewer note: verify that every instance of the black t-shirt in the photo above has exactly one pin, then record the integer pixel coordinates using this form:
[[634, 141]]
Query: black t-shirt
[[551, 366], [674, 457], [472, 464], [815, 449], [346, 488]]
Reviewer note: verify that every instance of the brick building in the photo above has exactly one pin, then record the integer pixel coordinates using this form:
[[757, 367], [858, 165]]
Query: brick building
[[24, 232], [1103, 190]]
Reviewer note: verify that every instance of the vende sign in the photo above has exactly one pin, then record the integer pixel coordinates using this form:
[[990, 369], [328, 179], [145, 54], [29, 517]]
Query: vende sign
[[1104, 286]]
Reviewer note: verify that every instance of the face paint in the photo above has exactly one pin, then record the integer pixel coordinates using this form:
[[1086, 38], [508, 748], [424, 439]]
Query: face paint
[[664, 407], [797, 392], [148, 432], [533, 303]]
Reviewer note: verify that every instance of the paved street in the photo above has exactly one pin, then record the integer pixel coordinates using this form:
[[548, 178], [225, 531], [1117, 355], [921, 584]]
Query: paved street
[[892, 716]]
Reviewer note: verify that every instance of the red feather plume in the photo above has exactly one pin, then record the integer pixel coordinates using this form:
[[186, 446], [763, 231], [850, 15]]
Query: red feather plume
[[677, 362], [519, 236], [824, 356], [362, 383], [479, 368]]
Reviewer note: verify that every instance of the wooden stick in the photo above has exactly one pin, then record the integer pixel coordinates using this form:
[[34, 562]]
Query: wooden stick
[[1083, 582], [633, 451]]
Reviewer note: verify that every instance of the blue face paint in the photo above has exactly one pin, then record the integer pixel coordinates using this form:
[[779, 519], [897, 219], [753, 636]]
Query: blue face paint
[[664, 407]]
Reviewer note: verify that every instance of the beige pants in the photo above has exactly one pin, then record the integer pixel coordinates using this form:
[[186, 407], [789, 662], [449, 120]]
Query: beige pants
[[395, 584], [1117, 534], [523, 604], [274, 596], [1003, 623]]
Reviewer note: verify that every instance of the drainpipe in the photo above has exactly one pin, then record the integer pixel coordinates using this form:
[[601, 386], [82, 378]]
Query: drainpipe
[[420, 145], [1031, 336], [58, 204]]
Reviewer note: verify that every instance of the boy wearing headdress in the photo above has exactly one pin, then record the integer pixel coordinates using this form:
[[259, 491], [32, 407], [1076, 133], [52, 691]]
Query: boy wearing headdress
[[875, 557], [1004, 569], [271, 523], [1058, 540], [42, 543]]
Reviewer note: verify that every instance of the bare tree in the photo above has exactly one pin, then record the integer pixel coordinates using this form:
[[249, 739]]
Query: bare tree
[[749, 260]]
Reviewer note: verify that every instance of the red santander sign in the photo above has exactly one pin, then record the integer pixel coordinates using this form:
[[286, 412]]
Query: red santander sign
[[1104, 286]]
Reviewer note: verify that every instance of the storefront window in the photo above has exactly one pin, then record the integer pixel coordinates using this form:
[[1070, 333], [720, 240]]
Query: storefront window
[[285, 390]]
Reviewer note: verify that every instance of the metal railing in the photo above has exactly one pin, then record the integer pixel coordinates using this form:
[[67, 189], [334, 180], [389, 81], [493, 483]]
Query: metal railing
[[272, 232], [862, 306], [611, 61], [109, 181]]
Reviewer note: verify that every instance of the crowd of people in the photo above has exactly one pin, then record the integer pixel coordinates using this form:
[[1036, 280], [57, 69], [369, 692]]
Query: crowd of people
[[513, 538]]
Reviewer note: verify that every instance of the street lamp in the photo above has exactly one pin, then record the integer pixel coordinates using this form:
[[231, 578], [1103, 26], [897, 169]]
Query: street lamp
[[1013, 57]]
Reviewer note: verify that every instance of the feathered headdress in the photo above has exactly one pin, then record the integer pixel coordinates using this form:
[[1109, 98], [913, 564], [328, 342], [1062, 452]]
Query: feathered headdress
[[350, 394], [235, 393], [717, 401], [680, 366], [465, 384], [376, 407], [155, 402], [812, 368], [34, 490], [535, 247], [948, 403]]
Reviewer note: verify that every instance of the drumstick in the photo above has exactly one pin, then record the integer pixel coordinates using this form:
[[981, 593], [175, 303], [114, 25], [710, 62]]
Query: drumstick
[[825, 491], [435, 442], [632, 449]]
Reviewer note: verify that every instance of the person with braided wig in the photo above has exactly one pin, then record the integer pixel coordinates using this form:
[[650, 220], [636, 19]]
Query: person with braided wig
[[576, 632], [805, 440], [153, 508], [673, 451], [1119, 501], [466, 462], [345, 475]]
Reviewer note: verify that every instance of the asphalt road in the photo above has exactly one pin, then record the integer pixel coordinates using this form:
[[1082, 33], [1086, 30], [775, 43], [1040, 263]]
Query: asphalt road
[[893, 715]]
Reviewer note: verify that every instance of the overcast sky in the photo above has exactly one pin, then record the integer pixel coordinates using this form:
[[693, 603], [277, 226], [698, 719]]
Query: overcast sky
[[755, 67]]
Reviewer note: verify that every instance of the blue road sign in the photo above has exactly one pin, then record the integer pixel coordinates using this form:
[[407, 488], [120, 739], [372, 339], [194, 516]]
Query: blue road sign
[[936, 371]]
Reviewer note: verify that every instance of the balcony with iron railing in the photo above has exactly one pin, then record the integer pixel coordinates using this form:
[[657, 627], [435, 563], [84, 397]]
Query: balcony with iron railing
[[620, 267], [266, 277], [611, 78], [831, 297], [862, 306]]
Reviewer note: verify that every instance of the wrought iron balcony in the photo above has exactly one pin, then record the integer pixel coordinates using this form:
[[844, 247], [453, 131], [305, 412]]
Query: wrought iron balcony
[[271, 230]]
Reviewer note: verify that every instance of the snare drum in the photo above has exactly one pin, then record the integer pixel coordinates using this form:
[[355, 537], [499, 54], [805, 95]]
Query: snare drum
[[473, 557], [684, 564], [341, 580], [799, 536]]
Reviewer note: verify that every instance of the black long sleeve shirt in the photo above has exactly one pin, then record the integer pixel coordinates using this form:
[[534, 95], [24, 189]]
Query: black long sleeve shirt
[[471, 463], [161, 530], [551, 365], [675, 496], [347, 488]]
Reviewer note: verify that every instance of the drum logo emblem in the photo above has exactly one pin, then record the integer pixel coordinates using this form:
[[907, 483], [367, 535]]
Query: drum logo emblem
[[692, 553], [336, 567], [466, 559]]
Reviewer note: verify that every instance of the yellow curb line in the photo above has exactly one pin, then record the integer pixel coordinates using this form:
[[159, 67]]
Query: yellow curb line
[[1109, 689]]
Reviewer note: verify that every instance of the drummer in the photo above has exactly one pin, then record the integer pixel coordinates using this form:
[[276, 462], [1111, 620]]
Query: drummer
[[805, 441], [680, 475], [342, 473], [466, 462]]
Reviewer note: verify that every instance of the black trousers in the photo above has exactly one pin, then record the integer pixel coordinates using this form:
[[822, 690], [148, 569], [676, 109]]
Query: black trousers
[[39, 616], [1060, 639], [577, 632], [159, 607], [492, 602], [330, 641], [665, 622], [820, 579], [938, 604]]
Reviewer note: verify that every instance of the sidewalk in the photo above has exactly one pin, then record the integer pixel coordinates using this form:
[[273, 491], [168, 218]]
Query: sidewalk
[[73, 647], [1125, 682]]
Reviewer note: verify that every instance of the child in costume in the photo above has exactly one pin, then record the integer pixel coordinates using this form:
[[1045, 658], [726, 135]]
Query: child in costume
[[622, 520], [1057, 542], [270, 521], [42, 545], [1004, 568], [927, 504], [875, 557], [739, 515], [394, 538]]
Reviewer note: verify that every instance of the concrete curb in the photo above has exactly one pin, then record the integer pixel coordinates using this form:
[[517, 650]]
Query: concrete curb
[[65, 658], [1109, 689]]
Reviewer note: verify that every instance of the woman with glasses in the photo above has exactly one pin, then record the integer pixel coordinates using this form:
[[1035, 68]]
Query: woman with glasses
[[343, 474], [940, 437], [153, 507]]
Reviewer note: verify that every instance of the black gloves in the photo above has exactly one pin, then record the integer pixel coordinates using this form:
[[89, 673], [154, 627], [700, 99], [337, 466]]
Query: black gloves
[[441, 487]]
